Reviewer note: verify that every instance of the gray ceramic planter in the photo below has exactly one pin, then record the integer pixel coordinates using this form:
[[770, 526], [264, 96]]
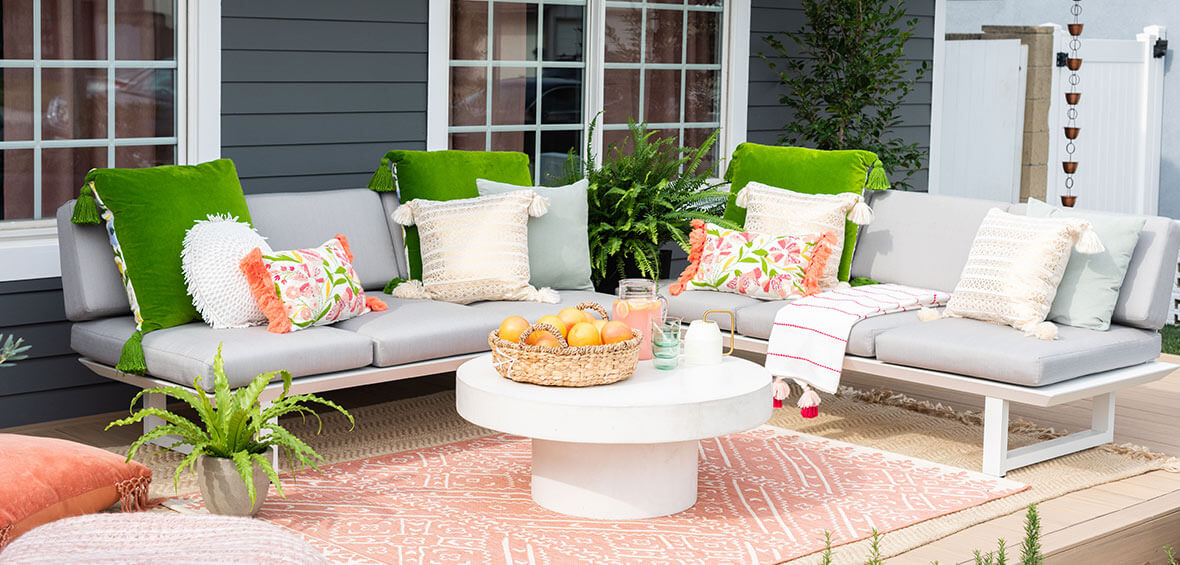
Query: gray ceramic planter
[[223, 489]]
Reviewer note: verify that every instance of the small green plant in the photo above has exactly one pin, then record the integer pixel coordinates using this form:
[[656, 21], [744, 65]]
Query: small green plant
[[1171, 553], [827, 556], [12, 350], [875, 549], [1030, 549], [232, 424], [643, 198]]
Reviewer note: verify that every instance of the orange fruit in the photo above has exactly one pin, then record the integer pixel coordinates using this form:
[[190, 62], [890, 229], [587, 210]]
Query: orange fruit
[[545, 339], [555, 322], [583, 333], [571, 316], [614, 332], [598, 325], [512, 327]]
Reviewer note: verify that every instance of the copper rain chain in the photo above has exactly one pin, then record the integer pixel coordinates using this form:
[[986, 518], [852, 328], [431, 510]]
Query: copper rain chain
[[1073, 63]]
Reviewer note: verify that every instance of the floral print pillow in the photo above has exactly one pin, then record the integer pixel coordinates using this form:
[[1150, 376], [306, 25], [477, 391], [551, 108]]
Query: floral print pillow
[[307, 287], [754, 264]]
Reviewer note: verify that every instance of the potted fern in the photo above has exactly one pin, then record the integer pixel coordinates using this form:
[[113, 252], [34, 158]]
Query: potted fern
[[644, 195], [230, 437]]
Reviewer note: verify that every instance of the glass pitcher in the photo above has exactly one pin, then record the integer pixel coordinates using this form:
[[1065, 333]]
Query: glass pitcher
[[639, 305]]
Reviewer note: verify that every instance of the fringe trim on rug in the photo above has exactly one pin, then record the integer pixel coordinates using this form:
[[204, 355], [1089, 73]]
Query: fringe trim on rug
[[1015, 425], [4, 535], [133, 493]]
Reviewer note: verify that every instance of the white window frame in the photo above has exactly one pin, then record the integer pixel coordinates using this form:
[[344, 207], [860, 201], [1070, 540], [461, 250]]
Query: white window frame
[[28, 248], [735, 41]]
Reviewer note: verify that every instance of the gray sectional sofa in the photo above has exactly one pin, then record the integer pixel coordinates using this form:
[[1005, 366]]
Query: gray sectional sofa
[[915, 239]]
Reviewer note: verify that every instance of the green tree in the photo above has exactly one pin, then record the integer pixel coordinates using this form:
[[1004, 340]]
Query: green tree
[[846, 77]]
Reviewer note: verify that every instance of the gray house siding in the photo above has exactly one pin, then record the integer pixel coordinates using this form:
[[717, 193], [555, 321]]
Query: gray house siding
[[766, 116]]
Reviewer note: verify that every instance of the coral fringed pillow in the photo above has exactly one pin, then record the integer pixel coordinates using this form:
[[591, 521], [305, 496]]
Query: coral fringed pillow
[[755, 264], [46, 479], [307, 287]]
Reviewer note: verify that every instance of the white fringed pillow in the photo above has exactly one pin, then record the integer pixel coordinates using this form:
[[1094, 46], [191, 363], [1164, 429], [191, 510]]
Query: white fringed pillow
[[1014, 267], [209, 259], [781, 212], [474, 249]]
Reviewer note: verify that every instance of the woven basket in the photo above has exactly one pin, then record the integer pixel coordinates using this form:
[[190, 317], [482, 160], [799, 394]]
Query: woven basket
[[587, 365]]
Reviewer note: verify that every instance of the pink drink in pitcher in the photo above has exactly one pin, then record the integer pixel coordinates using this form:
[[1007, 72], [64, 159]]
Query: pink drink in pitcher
[[639, 305]]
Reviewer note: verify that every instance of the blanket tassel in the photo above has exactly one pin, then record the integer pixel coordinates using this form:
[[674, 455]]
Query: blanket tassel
[[808, 402], [782, 391]]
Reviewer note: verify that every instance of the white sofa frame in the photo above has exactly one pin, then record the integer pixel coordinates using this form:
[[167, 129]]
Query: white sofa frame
[[998, 397]]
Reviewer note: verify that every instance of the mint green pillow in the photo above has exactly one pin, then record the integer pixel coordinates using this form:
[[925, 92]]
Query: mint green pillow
[[1089, 288], [559, 248], [810, 171], [444, 175], [147, 212]]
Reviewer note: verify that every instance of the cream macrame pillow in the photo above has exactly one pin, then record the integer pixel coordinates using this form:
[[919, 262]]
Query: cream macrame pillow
[[782, 212], [209, 260], [474, 249], [1014, 267]]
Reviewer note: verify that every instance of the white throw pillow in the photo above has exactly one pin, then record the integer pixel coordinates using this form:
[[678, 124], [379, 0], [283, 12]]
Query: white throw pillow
[[782, 212], [1014, 267], [212, 250]]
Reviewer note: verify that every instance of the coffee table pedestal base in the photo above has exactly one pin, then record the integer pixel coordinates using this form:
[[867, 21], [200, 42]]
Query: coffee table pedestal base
[[615, 481]]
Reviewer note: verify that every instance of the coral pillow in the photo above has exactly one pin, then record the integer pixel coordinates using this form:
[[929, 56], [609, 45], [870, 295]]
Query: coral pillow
[[307, 287], [209, 259], [755, 264], [46, 479]]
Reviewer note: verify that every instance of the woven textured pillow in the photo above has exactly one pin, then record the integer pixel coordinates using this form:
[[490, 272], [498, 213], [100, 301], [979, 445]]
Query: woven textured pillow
[[46, 479], [307, 287], [1014, 267], [754, 264], [474, 249], [778, 211], [212, 250]]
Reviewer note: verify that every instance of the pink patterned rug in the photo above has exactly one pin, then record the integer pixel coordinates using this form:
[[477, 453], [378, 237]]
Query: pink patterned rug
[[765, 496]]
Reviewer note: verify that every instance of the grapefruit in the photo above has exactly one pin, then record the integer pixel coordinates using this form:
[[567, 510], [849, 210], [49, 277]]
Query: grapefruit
[[614, 332], [545, 339], [571, 316], [583, 333], [512, 327], [555, 322]]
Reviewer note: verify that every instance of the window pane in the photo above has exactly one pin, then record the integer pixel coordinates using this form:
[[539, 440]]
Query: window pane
[[555, 146], [514, 92], [564, 33], [523, 141], [469, 91], [16, 23], [705, 2], [616, 140], [666, 1], [73, 103], [145, 30], [623, 29], [16, 184], [469, 30], [704, 38], [665, 35], [143, 103], [661, 92], [620, 96], [702, 96], [17, 90], [140, 156], [514, 33], [561, 96], [74, 29], [62, 171], [694, 137], [468, 141]]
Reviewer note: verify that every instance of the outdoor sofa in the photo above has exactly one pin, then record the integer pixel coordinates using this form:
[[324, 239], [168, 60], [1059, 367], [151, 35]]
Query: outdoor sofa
[[915, 239]]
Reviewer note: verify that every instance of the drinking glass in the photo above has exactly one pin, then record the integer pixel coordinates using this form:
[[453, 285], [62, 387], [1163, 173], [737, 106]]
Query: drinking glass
[[665, 343]]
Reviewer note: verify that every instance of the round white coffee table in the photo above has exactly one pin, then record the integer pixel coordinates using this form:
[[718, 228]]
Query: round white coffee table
[[622, 451]]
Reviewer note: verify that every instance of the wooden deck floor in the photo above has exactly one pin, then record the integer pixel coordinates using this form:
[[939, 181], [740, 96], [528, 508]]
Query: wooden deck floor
[[1124, 522]]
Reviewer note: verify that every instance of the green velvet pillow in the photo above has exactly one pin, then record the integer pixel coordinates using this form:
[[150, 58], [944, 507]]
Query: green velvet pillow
[[444, 175], [147, 212], [811, 171]]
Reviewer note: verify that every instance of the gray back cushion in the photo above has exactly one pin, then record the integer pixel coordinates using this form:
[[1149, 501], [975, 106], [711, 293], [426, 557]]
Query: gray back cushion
[[918, 239], [298, 220], [90, 281], [1147, 290]]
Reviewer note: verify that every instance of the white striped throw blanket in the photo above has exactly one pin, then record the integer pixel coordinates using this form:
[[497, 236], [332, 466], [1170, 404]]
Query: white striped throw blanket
[[810, 334]]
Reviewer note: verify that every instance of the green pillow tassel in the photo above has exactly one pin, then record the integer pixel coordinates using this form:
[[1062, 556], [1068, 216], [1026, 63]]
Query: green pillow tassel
[[861, 281], [131, 360], [86, 209], [382, 180], [876, 179], [393, 284]]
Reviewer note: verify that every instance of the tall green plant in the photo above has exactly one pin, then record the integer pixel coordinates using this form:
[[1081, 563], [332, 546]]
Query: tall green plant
[[644, 194], [232, 424], [846, 78]]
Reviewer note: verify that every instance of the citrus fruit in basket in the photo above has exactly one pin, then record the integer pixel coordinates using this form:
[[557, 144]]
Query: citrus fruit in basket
[[583, 333], [545, 339], [555, 322], [572, 316], [614, 332], [512, 327]]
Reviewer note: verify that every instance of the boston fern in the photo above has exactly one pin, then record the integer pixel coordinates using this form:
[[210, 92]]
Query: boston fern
[[232, 424], [642, 198]]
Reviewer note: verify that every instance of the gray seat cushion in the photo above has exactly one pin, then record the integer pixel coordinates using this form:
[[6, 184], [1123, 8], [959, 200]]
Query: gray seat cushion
[[1001, 353], [417, 330], [692, 304], [181, 353], [757, 321], [533, 310]]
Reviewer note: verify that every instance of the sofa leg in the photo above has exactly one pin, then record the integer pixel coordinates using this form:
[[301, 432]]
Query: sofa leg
[[995, 437], [998, 460], [158, 400]]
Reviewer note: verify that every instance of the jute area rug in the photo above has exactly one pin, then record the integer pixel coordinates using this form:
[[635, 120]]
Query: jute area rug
[[876, 420]]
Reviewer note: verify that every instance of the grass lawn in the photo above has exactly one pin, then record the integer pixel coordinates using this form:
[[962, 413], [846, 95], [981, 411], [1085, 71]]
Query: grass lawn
[[1171, 335]]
